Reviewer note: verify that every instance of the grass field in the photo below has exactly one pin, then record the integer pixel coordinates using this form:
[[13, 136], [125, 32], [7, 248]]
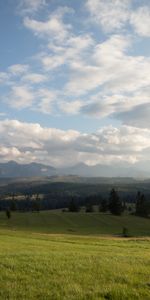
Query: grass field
[[76, 223], [40, 258]]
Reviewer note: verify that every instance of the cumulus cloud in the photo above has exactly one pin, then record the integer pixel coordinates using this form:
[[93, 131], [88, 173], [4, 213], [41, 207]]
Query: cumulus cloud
[[80, 71], [11, 153], [32, 142]]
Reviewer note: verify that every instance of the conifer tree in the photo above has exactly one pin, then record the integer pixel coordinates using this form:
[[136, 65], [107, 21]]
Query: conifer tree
[[115, 205], [142, 208]]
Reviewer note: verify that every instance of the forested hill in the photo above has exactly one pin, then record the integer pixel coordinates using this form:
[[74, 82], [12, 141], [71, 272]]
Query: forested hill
[[73, 185]]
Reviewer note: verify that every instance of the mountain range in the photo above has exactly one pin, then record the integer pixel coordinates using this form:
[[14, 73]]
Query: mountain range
[[13, 169]]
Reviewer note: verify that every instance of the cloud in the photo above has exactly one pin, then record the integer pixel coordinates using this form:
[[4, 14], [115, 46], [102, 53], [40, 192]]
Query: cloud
[[70, 51], [20, 97], [30, 6], [25, 96], [18, 69], [110, 67], [3, 77], [118, 105], [116, 15], [53, 28], [28, 142], [100, 79], [137, 116], [111, 15], [10, 153], [80, 71], [117, 81], [100, 66], [34, 78], [47, 101], [72, 107], [140, 19]]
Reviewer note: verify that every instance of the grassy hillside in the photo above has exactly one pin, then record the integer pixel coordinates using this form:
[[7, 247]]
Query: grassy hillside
[[73, 256], [76, 223], [65, 267]]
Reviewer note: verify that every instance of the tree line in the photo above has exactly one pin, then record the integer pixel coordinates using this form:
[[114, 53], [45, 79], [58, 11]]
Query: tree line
[[116, 206], [113, 204]]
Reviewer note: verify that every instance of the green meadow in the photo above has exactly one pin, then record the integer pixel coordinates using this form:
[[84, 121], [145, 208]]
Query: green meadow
[[76, 223], [69, 256]]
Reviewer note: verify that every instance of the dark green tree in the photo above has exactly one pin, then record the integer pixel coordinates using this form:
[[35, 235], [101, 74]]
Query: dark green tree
[[13, 205], [37, 201], [8, 213], [115, 204], [125, 232], [142, 207], [89, 208], [73, 206], [103, 207]]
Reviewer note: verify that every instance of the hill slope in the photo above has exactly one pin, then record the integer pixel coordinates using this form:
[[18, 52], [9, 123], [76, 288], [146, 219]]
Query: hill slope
[[76, 223], [65, 267]]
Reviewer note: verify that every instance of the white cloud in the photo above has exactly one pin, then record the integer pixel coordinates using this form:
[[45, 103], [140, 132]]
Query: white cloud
[[18, 69], [30, 6], [140, 19], [10, 153], [116, 15], [117, 81], [27, 142], [111, 68], [72, 107], [111, 15], [117, 104], [35, 99], [53, 28], [68, 52], [20, 97], [47, 101], [3, 77], [34, 78], [100, 66], [98, 76]]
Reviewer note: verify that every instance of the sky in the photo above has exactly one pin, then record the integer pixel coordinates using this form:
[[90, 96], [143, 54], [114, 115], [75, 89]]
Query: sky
[[75, 82]]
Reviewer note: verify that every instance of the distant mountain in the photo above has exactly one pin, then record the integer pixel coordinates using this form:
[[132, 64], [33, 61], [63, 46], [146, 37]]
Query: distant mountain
[[101, 170], [12, 169]]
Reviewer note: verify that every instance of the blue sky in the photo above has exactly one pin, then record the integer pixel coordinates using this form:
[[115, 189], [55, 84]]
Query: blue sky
[[75, 81]]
